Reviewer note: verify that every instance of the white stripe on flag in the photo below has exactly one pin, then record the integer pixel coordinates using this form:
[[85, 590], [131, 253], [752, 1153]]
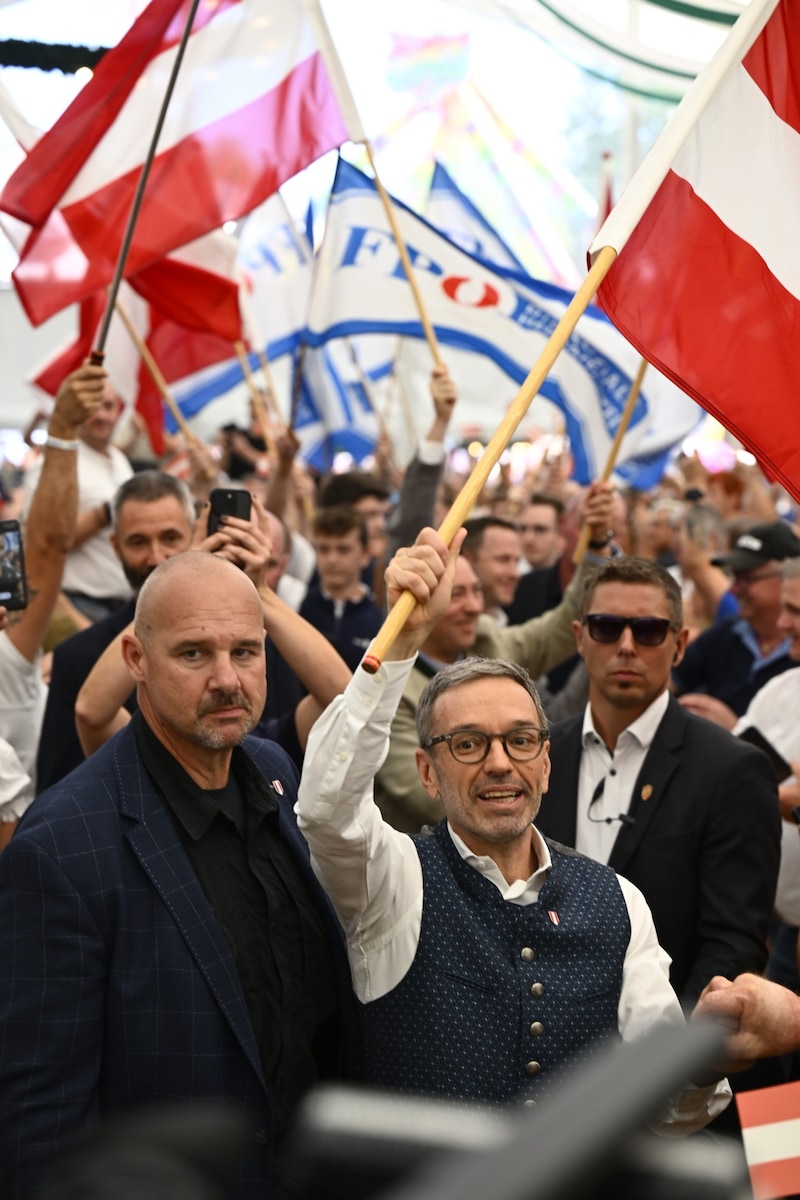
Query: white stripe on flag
[[767, 1143], [240, 56], [773, 170]]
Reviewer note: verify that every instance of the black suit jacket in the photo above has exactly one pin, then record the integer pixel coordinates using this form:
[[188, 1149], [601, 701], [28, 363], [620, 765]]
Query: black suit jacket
[[125, 990], [704, 848]]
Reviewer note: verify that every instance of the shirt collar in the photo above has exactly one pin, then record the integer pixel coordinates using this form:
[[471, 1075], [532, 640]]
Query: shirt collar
[[743, 630], [643, 729], [194, 807], [488, 867]]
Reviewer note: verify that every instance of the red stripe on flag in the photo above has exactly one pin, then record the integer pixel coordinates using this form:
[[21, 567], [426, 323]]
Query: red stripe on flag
[[37, 185], [765, 1106], [702, 306], [772, 63], [223, 171], [775, 1179]]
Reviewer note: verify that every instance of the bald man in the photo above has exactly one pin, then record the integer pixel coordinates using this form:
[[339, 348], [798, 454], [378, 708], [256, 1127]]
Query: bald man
[[163, 935]]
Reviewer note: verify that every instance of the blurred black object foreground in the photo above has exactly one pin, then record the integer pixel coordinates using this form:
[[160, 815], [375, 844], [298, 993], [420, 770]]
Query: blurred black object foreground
[[161, 1152], [353, 1144], [585, 1141]]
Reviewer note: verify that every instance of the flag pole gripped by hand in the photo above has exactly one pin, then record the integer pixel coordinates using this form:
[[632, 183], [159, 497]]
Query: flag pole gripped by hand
[[467, 497], [622, 429]]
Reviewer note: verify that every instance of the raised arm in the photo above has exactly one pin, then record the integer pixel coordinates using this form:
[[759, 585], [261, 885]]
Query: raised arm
[[52, 516], [416, 503], [320, 669], [367, 867], [100, 706]]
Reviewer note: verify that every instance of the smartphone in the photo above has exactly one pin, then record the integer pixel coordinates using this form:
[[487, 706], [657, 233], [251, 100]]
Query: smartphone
[[13, 588], [756, 738], [231, 502]]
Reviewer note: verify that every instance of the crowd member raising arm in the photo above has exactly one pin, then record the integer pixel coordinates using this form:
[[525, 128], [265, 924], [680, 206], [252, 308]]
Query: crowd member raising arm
[[48, 536]]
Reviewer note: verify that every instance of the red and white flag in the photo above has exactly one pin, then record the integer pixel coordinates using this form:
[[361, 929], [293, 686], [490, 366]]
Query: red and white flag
[[770, 1120], [260, 95], [706, 284], [179, 351]]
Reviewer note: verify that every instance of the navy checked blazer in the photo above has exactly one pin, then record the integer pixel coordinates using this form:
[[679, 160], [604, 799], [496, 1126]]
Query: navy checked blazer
[[117, 985]]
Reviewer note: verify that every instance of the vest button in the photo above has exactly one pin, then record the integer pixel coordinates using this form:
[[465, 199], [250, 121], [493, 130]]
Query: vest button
[[537, 990], [529, 1104], [537, 1028], [527, 955], [261, 1137], [533, 1068]]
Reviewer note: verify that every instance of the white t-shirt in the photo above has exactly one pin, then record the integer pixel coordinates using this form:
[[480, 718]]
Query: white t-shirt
[[23, 695], [773, 710], [92, 568], [16, 785]]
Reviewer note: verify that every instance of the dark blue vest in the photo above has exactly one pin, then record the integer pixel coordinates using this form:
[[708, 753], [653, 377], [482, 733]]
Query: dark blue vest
[[501, 996]]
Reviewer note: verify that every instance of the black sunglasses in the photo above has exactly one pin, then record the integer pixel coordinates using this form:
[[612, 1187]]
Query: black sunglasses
[[607, 628]]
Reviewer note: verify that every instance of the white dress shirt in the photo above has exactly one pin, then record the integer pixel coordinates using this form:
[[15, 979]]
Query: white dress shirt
[[373, 874], [598, 823], [773, 710]]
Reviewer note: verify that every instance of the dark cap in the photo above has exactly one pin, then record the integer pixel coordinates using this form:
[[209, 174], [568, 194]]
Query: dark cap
[[760, 544]]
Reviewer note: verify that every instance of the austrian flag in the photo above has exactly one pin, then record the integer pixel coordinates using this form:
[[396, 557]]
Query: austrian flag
[[260, 94], [770, 1120], [706, 284]]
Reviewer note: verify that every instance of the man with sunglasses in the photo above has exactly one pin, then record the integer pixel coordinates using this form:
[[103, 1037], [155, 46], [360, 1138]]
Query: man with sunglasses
[[523, 958], [679, 806]]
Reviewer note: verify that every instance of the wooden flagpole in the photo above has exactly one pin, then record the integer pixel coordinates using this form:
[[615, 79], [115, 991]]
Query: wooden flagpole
[[98, 353], [256, 397], [471, 490], [406, 261], [622, 429], [155, 371], [269, 382]]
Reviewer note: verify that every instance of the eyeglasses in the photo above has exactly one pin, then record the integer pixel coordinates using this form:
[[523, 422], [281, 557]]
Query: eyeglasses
[[472, 745], [748, 578], [608, 628]]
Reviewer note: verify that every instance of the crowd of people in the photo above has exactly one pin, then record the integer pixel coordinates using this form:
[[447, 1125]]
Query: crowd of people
[[234, 863]]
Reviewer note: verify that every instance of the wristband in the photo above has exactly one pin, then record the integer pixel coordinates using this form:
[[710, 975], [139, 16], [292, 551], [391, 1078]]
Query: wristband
[[601, 545], [61, 443]]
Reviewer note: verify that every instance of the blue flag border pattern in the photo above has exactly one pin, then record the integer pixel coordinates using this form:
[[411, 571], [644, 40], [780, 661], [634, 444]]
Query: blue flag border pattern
[[539, 306]]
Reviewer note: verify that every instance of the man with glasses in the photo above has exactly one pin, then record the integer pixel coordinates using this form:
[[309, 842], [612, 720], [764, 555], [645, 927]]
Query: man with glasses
[[524, 957], [680, 807], [729, 662]]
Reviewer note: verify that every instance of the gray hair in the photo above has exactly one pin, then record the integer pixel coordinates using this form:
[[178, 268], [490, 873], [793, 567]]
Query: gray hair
[[464, 671], [149, 486]]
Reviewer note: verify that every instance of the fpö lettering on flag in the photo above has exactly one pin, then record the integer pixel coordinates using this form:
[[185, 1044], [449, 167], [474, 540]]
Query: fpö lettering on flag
[[770, 1120], [259, 95], [706, 283]]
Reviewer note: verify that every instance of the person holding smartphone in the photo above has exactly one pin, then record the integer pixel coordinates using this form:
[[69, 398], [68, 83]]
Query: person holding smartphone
[[48, 536]]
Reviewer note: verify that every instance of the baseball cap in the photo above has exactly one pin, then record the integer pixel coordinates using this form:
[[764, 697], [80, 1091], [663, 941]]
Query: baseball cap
[[760, 544]]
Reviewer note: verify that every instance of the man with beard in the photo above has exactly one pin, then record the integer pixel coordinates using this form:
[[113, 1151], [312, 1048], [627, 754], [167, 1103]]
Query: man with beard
[[153, 519], [167, 937]]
